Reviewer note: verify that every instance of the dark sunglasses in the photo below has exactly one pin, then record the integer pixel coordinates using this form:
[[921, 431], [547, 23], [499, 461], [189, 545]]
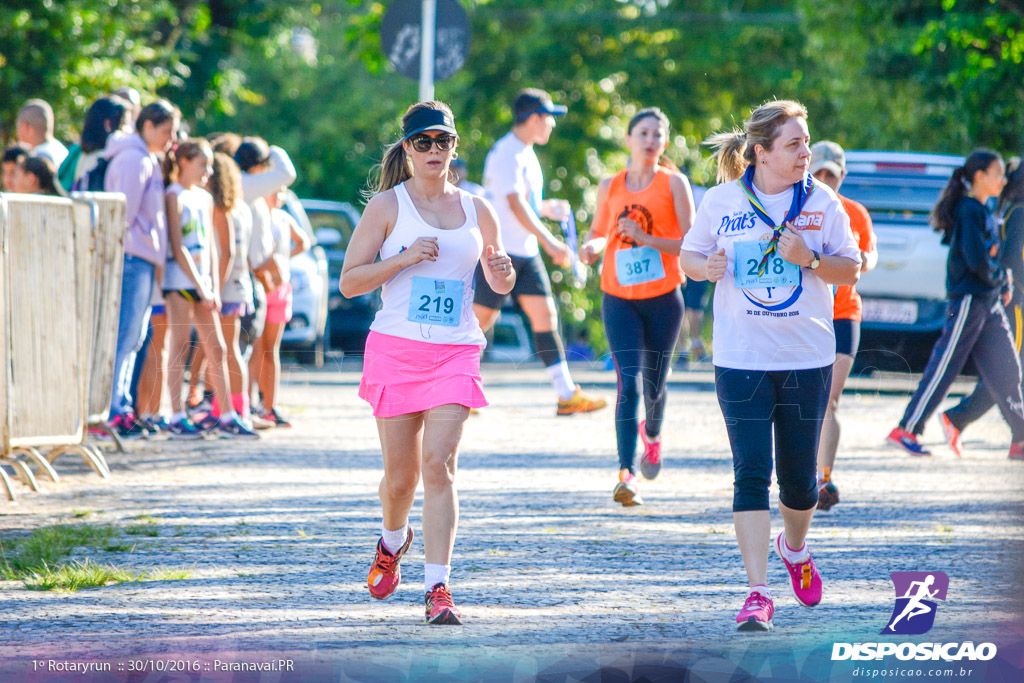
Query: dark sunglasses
[[423, 143]]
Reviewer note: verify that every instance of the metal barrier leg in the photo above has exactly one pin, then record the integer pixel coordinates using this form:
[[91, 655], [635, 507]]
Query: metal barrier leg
[[96, 462], [37, 458], [100, 458], [112, 433], [6, 481], [22, 471]]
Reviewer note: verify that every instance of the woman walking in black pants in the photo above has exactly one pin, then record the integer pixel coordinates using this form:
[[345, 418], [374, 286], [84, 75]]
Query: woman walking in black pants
[[976, 325], [981, 400]]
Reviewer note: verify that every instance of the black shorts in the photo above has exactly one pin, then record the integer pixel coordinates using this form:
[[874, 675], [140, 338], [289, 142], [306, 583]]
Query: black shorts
[[847, 335], [190, 295], [694, 291], [531, 280]]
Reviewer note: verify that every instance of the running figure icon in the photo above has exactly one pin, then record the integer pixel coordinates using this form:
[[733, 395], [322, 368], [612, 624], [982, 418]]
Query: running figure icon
[[916, 595]]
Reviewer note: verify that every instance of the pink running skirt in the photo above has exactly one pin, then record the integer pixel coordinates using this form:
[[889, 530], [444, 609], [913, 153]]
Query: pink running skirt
[[402, 376]]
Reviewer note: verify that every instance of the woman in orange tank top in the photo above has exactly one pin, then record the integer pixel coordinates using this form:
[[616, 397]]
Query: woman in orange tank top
[[642, 214]]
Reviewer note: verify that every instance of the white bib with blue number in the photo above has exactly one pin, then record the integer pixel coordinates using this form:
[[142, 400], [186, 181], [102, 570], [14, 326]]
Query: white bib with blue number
[[638, 265], [778, 271], [435, 302]]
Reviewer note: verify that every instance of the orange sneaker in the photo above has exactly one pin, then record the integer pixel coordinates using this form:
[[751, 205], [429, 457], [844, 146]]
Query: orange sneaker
[[627, 491], [440, 608], [580, 403], [385, 575]]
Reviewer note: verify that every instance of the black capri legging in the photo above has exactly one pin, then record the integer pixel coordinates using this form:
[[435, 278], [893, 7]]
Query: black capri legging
[[641, 334], [792, 402]]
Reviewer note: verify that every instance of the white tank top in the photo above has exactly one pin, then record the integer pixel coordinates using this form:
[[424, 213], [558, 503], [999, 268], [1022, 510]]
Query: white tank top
[[433, 300], [196, 205]]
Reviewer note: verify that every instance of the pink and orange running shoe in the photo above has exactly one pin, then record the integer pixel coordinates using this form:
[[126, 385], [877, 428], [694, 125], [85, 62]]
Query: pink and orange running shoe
[[385, 574], [804, 578]]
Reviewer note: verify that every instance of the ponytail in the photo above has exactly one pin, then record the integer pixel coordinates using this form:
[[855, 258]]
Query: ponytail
[[394, 169], [730, 154], [189, 149], [738, 149], [943, 215]]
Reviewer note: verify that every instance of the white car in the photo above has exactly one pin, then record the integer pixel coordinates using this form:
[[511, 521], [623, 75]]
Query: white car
[[905, 294], [305, 332]]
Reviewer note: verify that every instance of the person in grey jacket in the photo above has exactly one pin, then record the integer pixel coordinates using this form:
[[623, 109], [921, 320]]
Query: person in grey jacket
[[134, 170]]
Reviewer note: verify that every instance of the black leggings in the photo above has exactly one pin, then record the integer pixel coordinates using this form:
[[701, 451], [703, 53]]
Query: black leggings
[[641, 334], [791, 401]]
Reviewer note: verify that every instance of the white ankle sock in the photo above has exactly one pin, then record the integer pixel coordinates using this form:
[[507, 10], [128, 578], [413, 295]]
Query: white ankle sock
[[794, 556], [178, 417], [394, 540], [434, 574], [763, 590], [560, 377], [227, 417]]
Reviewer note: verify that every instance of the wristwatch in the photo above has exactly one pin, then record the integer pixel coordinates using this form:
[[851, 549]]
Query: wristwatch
[[816, 261]]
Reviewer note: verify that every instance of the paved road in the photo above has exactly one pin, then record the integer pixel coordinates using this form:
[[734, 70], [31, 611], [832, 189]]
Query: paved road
[[278, 535]]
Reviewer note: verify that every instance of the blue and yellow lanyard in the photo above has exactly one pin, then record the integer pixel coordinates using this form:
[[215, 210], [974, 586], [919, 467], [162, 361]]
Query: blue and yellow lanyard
[[801, 193]]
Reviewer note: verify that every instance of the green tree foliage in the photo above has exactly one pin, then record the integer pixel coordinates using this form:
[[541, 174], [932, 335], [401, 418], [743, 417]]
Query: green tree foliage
[[885, 74], [69, 52]]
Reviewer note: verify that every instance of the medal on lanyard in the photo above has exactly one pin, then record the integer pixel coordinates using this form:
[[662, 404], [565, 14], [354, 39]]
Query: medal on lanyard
[[579, 271], [801, 193]]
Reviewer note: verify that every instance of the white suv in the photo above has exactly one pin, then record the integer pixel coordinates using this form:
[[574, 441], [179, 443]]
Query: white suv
[[905, 295]]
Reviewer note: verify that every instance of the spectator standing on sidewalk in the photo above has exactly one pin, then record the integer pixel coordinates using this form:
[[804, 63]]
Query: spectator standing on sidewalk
[[134, 170], [828, 166], [514, 184], [773, 240], [34, 127], [421, 371], [192, 286], [642, 214], [105, 116], [289, 240], [11, 159]]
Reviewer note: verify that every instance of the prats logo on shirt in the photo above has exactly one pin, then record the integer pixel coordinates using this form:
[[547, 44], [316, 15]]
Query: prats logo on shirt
[[737, 222], [809, 221]]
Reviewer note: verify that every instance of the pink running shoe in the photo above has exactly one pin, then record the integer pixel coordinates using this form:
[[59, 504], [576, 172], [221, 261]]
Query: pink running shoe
[[1016, 452], [804, 578], [756, 614], [952, 435], [385, 574], [650, 461]]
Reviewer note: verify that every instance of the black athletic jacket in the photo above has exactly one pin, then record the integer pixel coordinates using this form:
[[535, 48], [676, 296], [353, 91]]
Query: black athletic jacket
[[974, 265]]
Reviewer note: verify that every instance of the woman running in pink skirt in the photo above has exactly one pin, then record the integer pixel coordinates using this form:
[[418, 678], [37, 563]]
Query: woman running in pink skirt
[[421, 371]]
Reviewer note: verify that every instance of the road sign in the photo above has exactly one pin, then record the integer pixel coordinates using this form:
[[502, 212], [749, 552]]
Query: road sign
[[402, 37]]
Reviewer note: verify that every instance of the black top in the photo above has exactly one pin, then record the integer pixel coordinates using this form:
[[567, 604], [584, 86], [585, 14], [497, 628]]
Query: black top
[[974, 265], [1013, 243]]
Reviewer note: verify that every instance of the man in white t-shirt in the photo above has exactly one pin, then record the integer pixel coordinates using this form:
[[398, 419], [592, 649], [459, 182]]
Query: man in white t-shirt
[[514, 184], [35, 132]]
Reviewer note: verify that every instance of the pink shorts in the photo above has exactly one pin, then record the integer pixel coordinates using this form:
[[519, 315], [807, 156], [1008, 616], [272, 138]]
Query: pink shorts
[[402, 376], [279, 304]]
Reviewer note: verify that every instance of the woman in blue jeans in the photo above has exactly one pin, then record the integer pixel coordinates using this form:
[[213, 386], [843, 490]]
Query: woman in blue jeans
[[134, 170]]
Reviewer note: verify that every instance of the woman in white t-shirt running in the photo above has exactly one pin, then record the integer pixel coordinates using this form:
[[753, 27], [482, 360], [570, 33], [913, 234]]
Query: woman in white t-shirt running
[[192, 287], [421, 371], [773, 240]]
